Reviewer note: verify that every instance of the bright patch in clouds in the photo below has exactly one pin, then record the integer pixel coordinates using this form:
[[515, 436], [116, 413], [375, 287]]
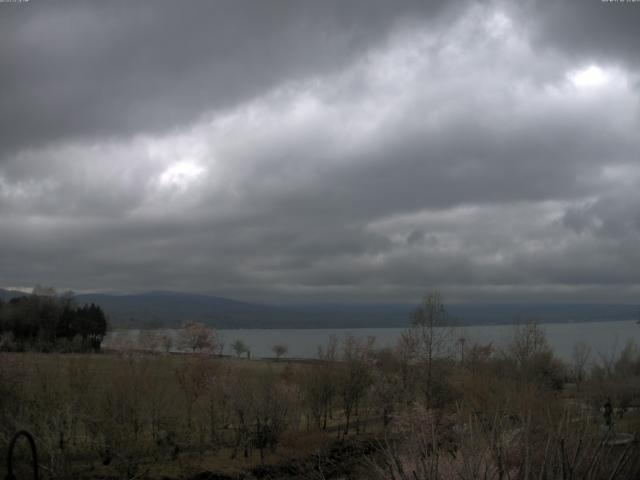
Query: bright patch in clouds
[[592, 76], [180, 175], [499, 25]]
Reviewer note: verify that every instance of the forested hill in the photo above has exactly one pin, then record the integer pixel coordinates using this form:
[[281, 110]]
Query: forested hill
[[171, 309]]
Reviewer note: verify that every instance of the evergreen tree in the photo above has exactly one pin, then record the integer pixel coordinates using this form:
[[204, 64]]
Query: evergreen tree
[[42, 320]]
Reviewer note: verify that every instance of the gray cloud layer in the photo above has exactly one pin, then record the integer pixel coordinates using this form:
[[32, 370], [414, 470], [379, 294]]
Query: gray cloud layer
[[359, 150], [76, 69]]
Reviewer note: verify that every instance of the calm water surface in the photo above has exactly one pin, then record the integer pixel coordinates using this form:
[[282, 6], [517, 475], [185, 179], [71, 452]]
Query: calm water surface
[[605, 338]]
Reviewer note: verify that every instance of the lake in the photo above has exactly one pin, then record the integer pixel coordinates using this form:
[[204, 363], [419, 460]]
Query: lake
[[605, 338]]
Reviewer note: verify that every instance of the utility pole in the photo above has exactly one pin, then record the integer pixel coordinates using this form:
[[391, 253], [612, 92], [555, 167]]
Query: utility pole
[[461, 341]]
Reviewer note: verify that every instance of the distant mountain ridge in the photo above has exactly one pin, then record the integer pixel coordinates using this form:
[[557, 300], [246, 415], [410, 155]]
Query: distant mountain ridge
[[6, 295], [159, 309]]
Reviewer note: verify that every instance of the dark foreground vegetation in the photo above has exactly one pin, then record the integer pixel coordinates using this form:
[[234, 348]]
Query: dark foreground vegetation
[[434, 407]]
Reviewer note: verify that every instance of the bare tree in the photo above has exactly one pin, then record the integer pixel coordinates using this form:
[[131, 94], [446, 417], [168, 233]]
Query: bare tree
[[197, 337], [581, 356], [319, 389], [430, 336], [149, 340], [319, 384], [242, 389], [166, 341], [279, 350], [329, 352], [239, 347], [192, 377], [354, 376], [273, 408], [528, 341]]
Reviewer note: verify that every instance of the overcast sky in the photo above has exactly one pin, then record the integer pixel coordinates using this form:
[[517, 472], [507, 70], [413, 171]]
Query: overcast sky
[[361, 150]]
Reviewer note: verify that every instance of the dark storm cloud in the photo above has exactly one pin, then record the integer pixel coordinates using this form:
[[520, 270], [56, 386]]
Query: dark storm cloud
[[324, 149], [74, 69], [589, 30]]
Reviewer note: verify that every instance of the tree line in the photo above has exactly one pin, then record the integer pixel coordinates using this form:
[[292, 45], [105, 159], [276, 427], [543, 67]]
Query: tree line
[[440, 408], [45, 321]]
